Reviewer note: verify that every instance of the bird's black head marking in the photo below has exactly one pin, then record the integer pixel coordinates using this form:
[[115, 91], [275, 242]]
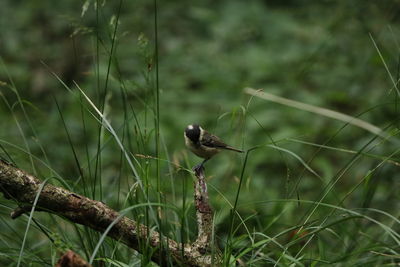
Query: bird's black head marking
[[193, 133]]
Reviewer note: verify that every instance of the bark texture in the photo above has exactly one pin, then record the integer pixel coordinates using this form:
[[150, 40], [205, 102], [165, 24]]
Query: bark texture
[[22, 187]]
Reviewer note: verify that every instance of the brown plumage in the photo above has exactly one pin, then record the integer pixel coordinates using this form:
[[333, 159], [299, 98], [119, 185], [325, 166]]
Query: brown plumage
[[203, 144]]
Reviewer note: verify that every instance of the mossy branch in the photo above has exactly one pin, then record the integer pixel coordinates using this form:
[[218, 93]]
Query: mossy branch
[[22, 187]]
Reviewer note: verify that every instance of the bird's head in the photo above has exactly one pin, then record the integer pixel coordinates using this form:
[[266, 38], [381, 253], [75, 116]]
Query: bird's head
[[192, 132]]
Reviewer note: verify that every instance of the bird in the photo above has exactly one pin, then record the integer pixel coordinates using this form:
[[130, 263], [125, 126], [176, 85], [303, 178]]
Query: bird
[[203, 144]]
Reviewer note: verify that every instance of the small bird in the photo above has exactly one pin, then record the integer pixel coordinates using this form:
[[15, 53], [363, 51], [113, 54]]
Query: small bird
[[203, 144]]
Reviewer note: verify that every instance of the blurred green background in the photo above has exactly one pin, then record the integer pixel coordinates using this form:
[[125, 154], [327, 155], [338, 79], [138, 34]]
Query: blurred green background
[[340, 55]]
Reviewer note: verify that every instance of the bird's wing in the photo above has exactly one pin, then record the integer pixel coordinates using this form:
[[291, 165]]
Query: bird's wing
[[210, 140]]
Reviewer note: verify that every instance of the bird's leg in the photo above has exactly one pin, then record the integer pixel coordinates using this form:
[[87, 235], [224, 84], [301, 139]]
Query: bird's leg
[[199, 167]]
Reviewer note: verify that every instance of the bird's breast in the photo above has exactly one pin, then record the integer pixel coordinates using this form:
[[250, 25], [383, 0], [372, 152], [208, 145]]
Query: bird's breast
[[200, 150]]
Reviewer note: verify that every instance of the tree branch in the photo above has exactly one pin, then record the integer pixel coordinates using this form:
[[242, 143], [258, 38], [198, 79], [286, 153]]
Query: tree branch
[[71, 259], [23, 188]]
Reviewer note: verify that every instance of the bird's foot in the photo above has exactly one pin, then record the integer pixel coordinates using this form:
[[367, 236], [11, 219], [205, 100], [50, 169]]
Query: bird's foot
[[198, 169]]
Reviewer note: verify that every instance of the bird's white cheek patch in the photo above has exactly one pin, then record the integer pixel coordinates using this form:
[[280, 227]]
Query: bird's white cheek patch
[[190, 127]]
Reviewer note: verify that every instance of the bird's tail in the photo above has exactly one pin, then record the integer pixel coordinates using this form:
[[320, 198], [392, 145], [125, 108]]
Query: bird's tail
[[233, 149]]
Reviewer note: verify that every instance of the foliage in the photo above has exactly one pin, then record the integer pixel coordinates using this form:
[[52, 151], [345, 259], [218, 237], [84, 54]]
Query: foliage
[[341, 55]]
